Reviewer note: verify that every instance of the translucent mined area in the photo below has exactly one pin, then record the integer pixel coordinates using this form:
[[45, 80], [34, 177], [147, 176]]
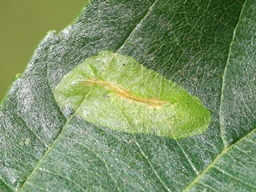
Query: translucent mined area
[[115, 91]]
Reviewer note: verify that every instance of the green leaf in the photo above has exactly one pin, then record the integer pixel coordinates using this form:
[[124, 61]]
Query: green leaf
[[207, 48]]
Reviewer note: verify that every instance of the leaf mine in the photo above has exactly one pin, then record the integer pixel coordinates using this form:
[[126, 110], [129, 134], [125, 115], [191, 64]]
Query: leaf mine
[[116, 92]]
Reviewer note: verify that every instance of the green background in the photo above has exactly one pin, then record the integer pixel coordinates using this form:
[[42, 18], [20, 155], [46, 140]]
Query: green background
[[22, 25]]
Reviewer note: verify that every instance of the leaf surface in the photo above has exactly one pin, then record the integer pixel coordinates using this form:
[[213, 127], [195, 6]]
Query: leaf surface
[[206, 47]]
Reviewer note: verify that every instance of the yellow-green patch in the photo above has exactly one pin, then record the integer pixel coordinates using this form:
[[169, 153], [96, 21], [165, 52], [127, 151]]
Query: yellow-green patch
[[115, 91]]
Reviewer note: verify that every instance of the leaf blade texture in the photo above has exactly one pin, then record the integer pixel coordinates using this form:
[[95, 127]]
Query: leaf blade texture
[[208, 48]]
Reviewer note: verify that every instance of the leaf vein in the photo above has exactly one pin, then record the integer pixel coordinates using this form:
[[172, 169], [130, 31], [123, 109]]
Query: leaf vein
[[224, 151], [188, 159], [245, 154], [37, 136], [141, 20], [208, 186], [152, 167], [102, 160], [36, 186], [75, 161], [231, 176], [61, 176], [1, 179], [222, 129]]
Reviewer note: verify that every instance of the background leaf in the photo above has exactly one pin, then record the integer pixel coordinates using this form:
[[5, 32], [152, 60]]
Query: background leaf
[[207, 47]]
